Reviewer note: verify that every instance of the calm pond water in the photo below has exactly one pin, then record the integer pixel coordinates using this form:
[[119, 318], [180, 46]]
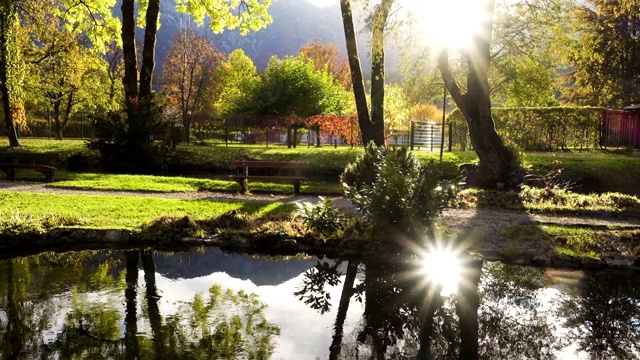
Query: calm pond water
[[213, 305]]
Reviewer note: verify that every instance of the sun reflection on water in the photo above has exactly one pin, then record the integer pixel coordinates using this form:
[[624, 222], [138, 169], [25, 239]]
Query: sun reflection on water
[[442, 267]]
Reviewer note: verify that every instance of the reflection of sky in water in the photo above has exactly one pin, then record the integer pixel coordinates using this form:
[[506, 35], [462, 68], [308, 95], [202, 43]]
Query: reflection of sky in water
[[304, 333]]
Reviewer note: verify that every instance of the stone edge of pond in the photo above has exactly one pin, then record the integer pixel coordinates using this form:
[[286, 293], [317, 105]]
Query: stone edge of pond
[[61, 240], [563, 261]]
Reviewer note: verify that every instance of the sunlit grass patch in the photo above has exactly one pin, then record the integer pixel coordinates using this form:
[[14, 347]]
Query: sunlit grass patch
[[582, 242], [44, 146], [166, 184], [595, 242], [579, 240], [151, 183], [118, 212], [577, 254], [15, 223], [552, 201]]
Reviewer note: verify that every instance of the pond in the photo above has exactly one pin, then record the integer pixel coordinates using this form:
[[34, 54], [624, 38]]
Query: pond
[[206, 304]]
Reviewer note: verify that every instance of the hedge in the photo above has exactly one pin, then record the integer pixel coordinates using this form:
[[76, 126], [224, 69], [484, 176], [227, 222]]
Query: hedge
[[548, 128]]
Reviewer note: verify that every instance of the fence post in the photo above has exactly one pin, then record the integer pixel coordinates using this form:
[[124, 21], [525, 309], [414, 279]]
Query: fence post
[[411, 133], [450, 135]]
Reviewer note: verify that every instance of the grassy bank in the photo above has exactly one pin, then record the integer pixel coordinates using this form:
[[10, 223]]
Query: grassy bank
[[118, 212]]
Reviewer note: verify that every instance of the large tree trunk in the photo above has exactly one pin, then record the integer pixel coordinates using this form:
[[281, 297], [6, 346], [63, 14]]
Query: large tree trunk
[[6, 22], [495, 159], [377, 71], [148, 52], [129, 54], [356, 72]]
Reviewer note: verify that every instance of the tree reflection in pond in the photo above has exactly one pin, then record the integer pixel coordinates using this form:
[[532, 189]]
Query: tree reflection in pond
[[497, 312], [102, 317], [117, 305], [514, 321], [603, 313]]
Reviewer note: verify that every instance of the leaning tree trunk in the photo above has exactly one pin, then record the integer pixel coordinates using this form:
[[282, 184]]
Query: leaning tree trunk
[[356, 72], [7, 15], [343, 307], [377, 71], [495, 159]]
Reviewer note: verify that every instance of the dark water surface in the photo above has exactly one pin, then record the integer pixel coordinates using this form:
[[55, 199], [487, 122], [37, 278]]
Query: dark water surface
[[213, 305]]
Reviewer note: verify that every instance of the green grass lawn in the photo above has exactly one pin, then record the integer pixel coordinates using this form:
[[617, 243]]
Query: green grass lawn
[[94, 181], [202, 167], [120, 212]]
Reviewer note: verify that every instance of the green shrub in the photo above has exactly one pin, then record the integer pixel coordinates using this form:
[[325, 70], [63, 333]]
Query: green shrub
[[395, 193], [126, 144], [324, 218]]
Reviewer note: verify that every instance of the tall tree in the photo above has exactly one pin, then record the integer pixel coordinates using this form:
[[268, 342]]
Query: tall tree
[[90, 17], [188, 73], [243, 14], [379, 21], [606, 55], [364, 120], [64, 70], [234, 79], [328, 54], [496, 161], [10, 69], [528, 45]]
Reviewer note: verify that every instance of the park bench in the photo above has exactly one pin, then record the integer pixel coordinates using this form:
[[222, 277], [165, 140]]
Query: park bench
[[279, 171], [43, 163]]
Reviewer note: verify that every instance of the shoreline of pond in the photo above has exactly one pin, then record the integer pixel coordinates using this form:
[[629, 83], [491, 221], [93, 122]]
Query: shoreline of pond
[[276, 244]]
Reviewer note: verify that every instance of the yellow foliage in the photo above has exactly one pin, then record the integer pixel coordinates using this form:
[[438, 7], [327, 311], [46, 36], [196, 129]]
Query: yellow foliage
[[425, 112], [19, 116]]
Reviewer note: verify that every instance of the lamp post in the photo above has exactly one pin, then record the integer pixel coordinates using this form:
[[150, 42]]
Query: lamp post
[[444, 114]]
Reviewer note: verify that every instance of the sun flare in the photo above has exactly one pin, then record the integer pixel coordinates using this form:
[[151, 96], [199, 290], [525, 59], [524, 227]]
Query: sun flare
[[442, 268], [451, 23]]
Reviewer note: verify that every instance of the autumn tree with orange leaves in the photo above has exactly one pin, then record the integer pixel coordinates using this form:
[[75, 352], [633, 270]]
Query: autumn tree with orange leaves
[[345, 126], [189, 69], [327, 54]]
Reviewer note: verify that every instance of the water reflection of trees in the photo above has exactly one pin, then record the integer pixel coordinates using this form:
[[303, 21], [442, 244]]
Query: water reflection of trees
[[603, 314], [496, 313], [221, 325], [513, 319], [26, 285]]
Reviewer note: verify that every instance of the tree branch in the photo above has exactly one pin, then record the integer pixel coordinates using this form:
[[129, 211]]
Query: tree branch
[[447, 77]]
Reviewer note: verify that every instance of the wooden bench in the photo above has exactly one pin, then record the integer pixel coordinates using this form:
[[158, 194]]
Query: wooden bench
[[43, 163], [292, 169]]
